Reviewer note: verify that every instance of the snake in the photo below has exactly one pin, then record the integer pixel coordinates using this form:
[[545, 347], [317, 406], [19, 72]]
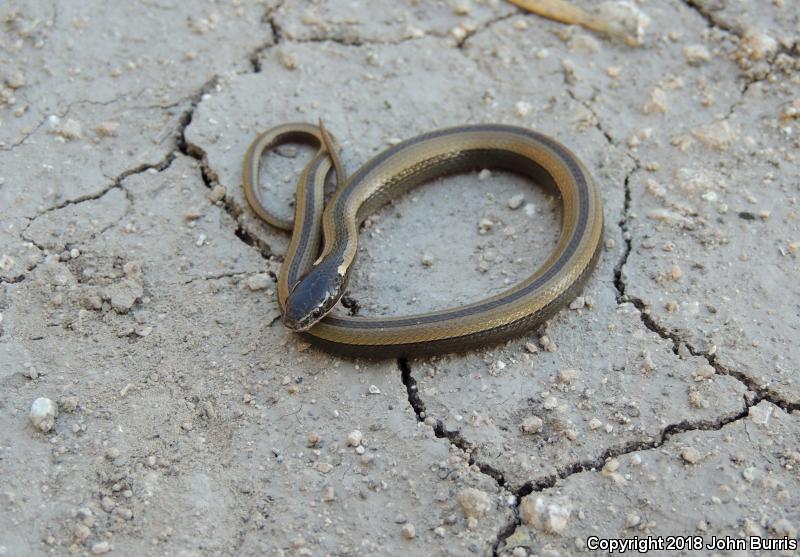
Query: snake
[[324, 243]]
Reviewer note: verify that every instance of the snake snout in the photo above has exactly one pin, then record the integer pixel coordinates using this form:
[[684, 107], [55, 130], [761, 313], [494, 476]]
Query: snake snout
[[310, 300]]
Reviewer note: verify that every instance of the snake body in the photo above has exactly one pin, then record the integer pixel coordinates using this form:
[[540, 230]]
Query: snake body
[[312, 281]]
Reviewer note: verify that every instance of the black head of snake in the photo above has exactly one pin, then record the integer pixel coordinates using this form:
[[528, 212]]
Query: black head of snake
[[313, 297]]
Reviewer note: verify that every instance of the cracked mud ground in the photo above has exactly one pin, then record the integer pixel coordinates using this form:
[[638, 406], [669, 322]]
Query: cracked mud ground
[[137, 290]]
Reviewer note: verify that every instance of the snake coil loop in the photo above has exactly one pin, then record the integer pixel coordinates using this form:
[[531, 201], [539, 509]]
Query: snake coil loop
[[312, 281]]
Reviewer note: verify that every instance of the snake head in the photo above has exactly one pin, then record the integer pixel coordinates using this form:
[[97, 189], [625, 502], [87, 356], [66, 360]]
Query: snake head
[[312, 298]]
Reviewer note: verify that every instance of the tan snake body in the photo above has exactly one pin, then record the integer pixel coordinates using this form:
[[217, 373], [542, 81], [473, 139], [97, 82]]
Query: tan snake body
[[311, 281]]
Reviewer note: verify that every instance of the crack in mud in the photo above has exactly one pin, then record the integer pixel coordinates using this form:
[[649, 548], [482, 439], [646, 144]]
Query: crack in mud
[[615, 452], [486, 26], [708, 17], [455, 438], [439, 430]]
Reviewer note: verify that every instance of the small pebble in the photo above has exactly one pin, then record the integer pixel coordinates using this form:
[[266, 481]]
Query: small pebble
[[550, 403], [354, 438], [691, 455], [426, 260], [329, 494], [696, 400], [758, 45], [261, 281], [547, 344], [123, 296], [484, 174], [101, 548], [69, 130], [6, 262], [594, 423], [532, 424], [409, 532], [69, 404], [287, 59], [374, 390], [611, 466], [515, 202], [112, 453], [15, 79], [124, 513], [632, 520], [717, 135], [43, 414], [287, 151], [484, 226], [656, 103], [323, 467], [705, 372], [462, 7], [474, 502], [81, 532], [549, 515], [531, 347], [313, 439], [217, 194], [522, 109], [696, 54]]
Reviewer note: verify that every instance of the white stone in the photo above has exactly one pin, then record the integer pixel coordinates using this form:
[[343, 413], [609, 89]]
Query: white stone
[[43, 414], [354, 438], [515, 202], [532, 424], [258, 282], [474, 502], [549, 515]]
